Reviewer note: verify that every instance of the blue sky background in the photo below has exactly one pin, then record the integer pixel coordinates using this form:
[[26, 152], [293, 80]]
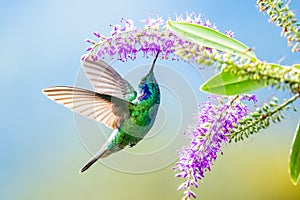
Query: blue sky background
[[41, 43]]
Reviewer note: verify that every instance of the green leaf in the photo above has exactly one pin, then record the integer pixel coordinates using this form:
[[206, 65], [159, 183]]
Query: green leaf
[[294, 166], [275, 66], [205, 36], [225, 83], [296, 66]]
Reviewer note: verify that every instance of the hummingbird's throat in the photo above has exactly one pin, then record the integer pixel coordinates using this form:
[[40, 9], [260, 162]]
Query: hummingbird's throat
[[145, 93]]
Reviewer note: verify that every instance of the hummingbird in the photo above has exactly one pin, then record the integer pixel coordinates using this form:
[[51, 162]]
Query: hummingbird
[[115, 103]]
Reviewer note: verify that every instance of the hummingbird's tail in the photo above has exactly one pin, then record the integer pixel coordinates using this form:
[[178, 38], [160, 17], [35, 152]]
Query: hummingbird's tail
[[100, 154], [96, 157], [104, 152], [88, 164]]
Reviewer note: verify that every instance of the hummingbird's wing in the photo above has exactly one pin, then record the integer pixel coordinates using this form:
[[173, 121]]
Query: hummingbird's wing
[[105, 80], [100, 107]]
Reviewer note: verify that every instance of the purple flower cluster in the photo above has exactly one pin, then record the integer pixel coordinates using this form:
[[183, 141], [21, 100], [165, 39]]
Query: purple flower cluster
[[214, 122], [127, 40]]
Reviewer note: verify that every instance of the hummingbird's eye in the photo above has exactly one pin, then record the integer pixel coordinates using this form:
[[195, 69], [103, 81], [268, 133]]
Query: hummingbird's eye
[[142, 83]]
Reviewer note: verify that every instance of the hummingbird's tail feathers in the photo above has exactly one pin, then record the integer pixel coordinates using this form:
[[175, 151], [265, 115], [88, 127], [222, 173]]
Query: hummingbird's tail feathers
[[105, 151], [87, 165], [100, 154]]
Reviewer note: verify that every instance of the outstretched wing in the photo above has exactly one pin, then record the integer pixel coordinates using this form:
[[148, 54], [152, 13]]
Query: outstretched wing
[[106, 80], [100, 107]]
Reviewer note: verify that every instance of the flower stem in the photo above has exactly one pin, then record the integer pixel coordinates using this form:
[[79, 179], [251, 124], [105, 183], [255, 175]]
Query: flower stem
[[264, 116]]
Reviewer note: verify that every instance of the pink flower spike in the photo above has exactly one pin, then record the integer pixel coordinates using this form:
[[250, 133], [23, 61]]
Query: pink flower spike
[[89, 49], [230, 33], [97, 34], [210, 132], [90, 41], [126, 41]]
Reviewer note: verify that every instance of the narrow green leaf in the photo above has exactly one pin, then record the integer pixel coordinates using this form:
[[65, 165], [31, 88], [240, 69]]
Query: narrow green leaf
[[225, 83], [275, 66], [208, 37], [296, 66], [294, 166]]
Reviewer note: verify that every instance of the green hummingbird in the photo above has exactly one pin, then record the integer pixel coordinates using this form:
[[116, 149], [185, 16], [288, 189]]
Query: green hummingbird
[[115, 103]]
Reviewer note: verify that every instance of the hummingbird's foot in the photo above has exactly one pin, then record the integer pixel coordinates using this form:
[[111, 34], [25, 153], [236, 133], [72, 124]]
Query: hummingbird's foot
[[131, 144]]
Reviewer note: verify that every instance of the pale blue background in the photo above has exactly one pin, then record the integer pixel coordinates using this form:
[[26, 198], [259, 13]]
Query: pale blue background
[[41, 43]]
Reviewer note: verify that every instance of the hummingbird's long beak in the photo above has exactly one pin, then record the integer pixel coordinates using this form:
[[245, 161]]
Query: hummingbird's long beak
[[153, 64]]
